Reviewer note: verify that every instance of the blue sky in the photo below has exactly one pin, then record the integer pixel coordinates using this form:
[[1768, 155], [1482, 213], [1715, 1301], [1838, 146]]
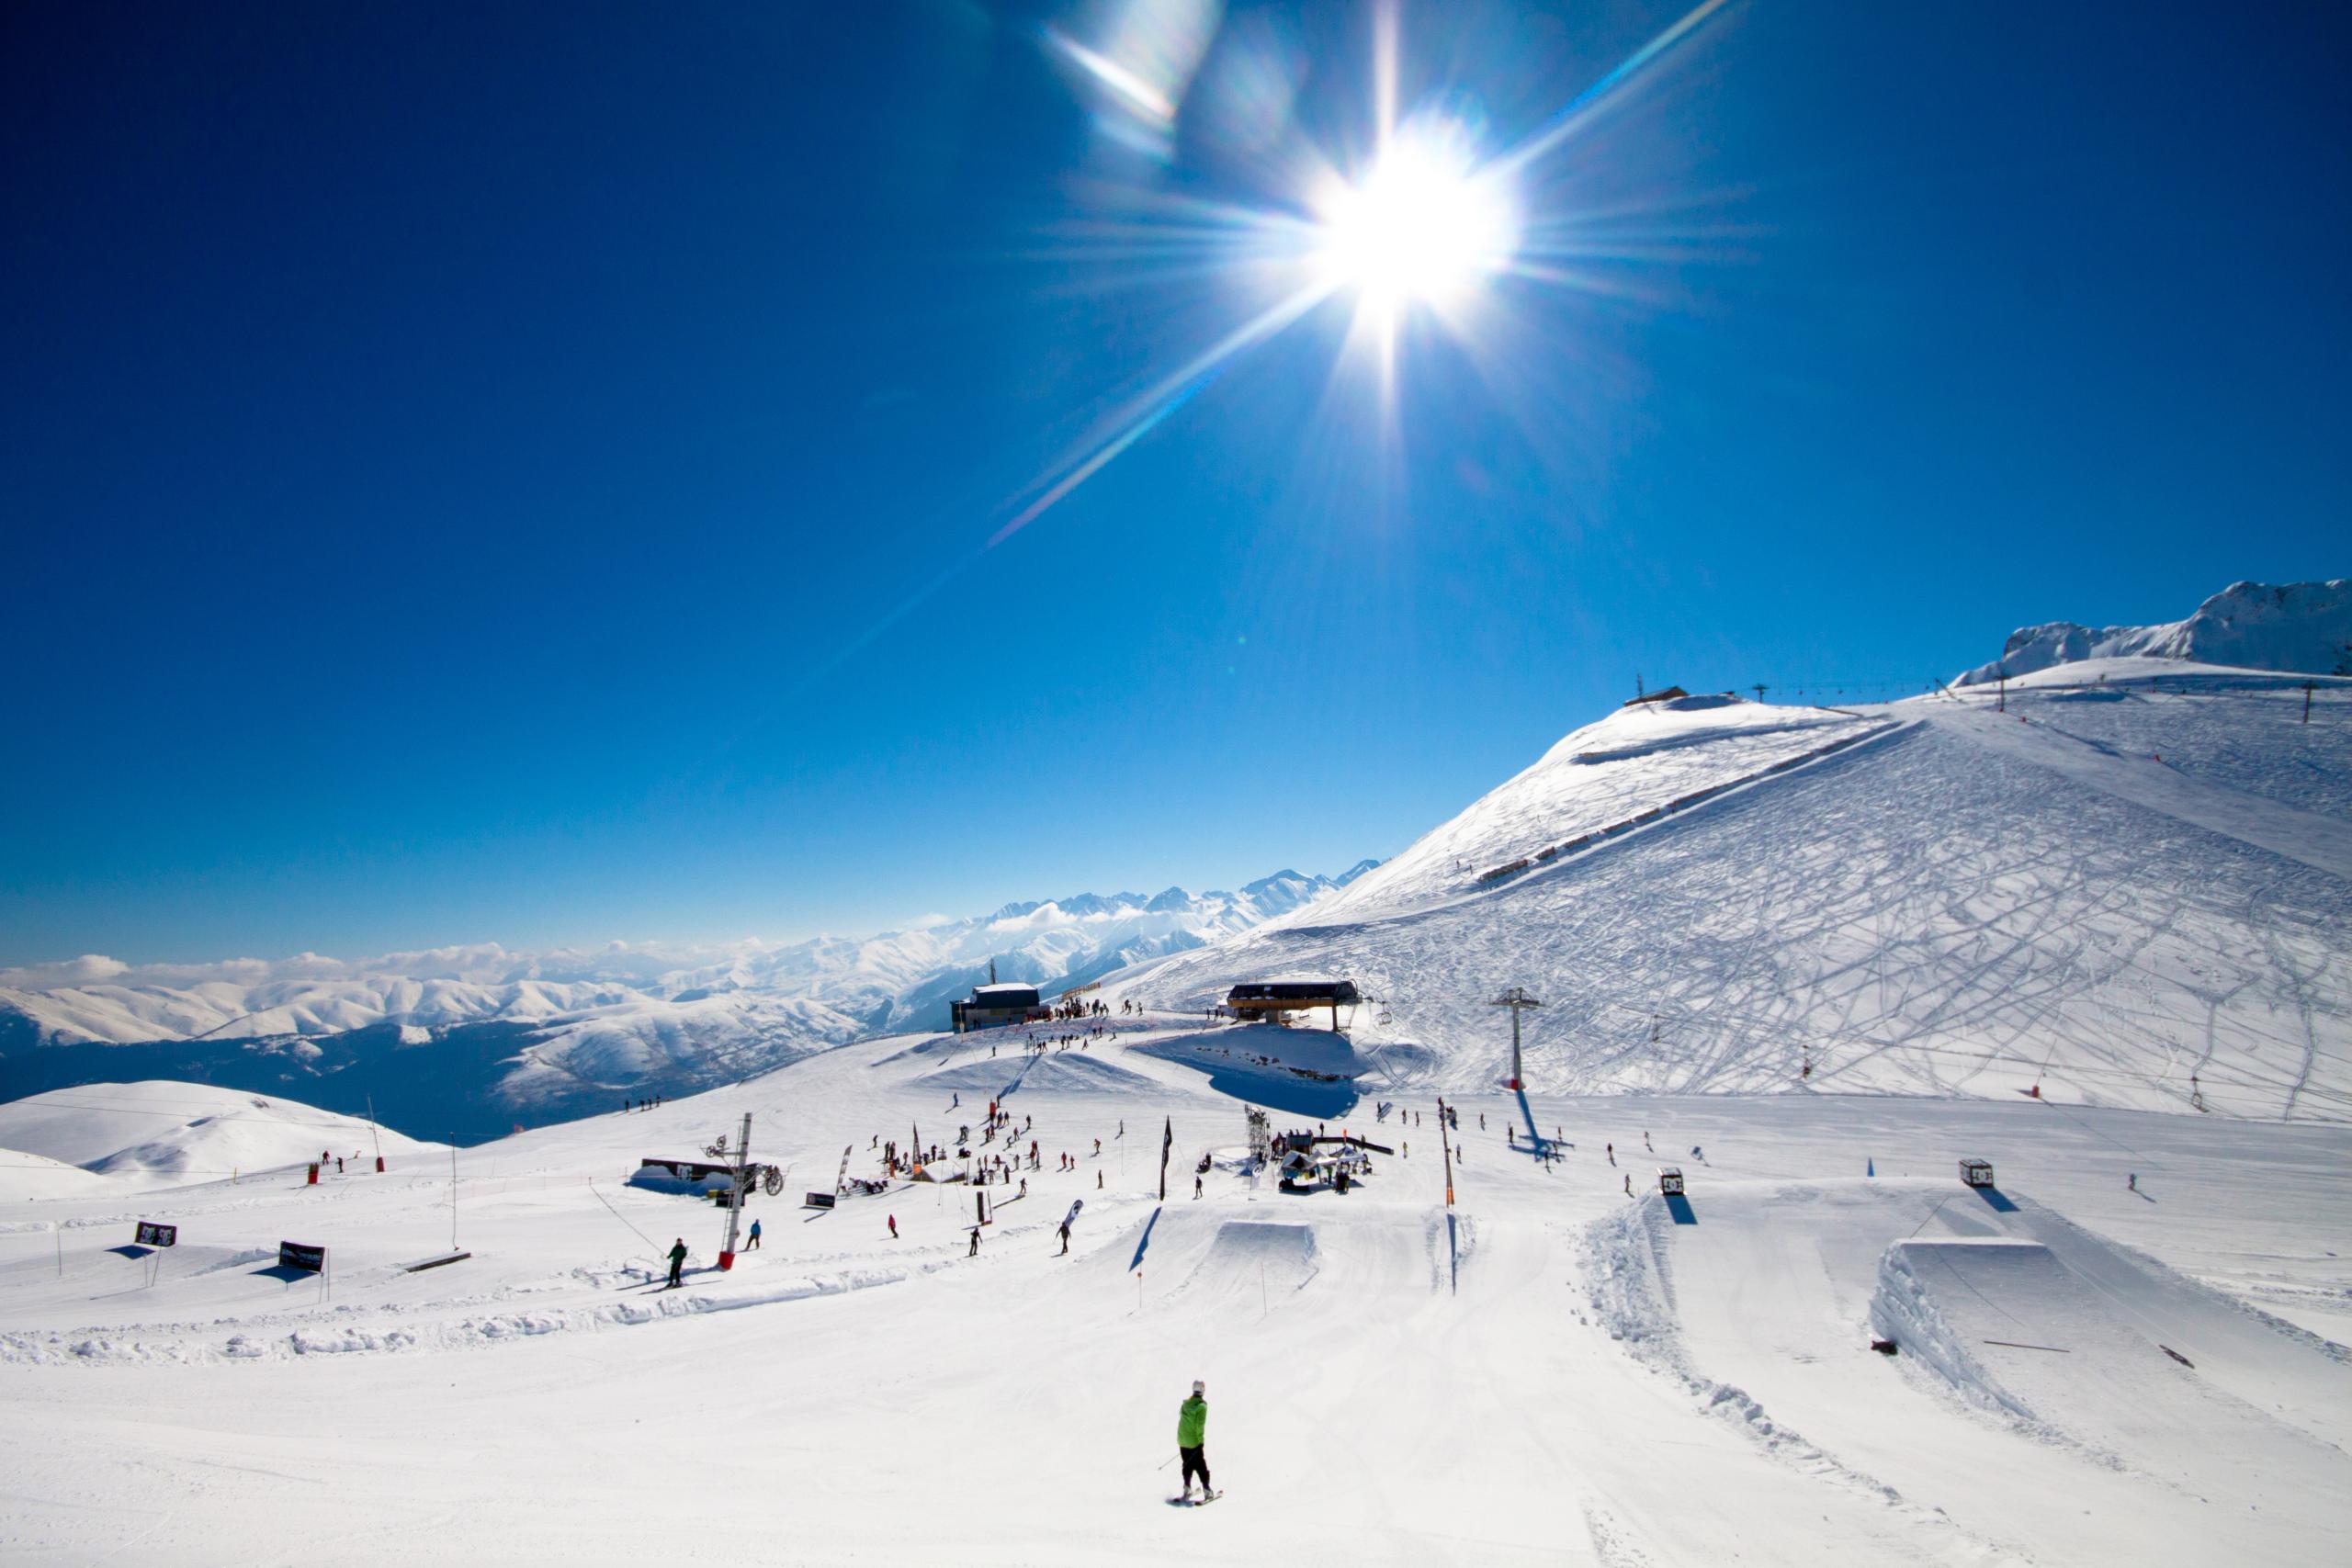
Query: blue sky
[[527, 474]]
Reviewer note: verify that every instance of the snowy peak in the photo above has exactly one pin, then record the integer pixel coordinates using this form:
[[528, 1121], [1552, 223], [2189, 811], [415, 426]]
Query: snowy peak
[[2303, 627]]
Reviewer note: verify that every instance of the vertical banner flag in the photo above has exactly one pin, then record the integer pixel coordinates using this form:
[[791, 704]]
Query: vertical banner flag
[[1167, 1142]]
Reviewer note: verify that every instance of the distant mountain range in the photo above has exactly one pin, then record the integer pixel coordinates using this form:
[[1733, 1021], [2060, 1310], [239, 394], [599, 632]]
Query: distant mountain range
[[2305, 628], [470, 1039]]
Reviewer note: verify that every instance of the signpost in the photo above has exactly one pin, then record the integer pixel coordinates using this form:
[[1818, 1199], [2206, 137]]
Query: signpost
[[153, 1235]]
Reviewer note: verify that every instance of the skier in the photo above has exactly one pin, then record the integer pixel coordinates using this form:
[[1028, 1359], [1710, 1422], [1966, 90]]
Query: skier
[[1612, 1156], [1196, 1187], [753, 1243], [677, 1262], [1629, 1184], [975, 1252], [2134, 1183], [894, 1226], [1192, 1426]]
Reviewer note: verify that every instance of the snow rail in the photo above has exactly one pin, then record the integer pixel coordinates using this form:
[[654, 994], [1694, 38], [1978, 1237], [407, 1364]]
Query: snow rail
[[1680, 803]]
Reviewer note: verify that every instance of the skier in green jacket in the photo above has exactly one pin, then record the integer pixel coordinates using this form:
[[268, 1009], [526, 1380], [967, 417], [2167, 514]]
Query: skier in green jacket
[[1191, 1425], [677, 1261]]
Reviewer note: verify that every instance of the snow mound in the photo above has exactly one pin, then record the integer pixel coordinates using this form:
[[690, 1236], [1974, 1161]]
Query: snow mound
[[25, 1175], [164, 1132], [2303, 627]]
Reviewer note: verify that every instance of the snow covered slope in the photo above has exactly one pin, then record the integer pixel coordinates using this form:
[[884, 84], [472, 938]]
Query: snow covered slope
[[2303, 627], [166, 1133], [1968, 901], [1637, 760], [1543, 1370]]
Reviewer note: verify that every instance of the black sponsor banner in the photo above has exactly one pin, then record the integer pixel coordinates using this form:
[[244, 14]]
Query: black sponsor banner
[[297, 1255], [153, 1235]]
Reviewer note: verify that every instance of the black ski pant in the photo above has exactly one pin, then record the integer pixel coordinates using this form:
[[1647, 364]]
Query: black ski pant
[[676, 1266], [1195, 1463]]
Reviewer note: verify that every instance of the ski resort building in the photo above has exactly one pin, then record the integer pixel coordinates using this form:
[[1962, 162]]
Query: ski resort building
[[993, 1006], [1274, 998]]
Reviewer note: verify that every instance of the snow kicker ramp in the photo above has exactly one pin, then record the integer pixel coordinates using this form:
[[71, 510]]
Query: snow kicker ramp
[[2010, 1326], [2084, 1439]]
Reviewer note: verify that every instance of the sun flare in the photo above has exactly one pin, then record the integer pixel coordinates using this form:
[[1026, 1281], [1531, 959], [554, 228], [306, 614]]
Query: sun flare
[[1425, 225]]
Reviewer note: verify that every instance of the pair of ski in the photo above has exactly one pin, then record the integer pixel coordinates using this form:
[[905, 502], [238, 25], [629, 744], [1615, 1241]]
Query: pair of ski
[[1187, 1501]]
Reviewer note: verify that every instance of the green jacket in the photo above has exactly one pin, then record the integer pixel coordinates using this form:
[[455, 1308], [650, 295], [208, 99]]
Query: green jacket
[[678, 1253], [1192, 1422]]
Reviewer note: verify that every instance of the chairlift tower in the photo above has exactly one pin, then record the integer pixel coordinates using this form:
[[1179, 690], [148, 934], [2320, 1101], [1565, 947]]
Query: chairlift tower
[[1518, 1000]]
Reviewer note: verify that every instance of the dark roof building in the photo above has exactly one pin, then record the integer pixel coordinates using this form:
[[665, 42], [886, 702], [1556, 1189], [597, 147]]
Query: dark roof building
[[993, 1006]]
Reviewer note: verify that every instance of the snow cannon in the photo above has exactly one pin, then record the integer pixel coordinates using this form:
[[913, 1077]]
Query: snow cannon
[[1669, 1181]]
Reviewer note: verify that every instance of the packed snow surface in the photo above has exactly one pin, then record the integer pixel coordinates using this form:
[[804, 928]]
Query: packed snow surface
[[1552, 1369]]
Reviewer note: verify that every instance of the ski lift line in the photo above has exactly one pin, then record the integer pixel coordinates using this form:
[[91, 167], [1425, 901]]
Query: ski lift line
[[618, 1215]]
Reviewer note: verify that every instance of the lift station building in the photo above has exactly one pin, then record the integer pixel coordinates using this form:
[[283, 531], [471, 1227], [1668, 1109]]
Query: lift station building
[[1271, 998], [993, 1006]]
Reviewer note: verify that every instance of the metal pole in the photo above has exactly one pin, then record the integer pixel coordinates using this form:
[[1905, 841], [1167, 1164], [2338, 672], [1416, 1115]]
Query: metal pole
[[453, 1192], [735, 1201], [1446, 1142]]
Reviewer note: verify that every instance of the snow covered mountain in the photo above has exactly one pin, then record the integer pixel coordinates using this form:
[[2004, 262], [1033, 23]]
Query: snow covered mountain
[[519, 1034], [2304, 627], [2139, 894]]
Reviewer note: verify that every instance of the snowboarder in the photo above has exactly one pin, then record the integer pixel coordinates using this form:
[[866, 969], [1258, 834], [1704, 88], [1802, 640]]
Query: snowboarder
[[2134, 1183], [1191, 1427], [677, 1262], [893, 1219], [975, 1251], [1629, 1184], [1098, 1181], [1196, 1187], [753, 1243], [1612, 1158], [1065, 1236]]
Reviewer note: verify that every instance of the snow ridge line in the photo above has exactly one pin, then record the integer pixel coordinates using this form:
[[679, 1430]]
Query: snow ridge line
[[1630, 1293], [1682, 803]]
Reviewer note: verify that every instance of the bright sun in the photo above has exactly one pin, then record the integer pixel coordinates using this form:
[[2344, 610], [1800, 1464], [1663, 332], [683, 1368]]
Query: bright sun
[[1425, 226]]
